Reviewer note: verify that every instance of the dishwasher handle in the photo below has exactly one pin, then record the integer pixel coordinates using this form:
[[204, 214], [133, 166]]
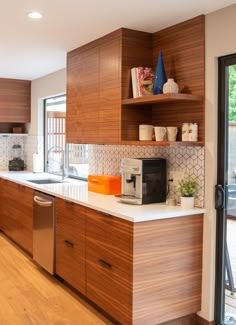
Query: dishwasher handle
[[43, 203]]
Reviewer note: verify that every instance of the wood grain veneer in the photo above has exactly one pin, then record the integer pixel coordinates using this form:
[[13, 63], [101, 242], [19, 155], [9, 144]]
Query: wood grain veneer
[[154, 268], [109, 239], [183, 49], [183, 52], [70, 243], [17, 213], [167, 269], [136, 51], [99, 89], [93, 91], [15, 100]]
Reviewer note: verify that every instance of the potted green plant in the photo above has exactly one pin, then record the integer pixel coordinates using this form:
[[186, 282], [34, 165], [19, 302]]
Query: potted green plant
[[187, 188]]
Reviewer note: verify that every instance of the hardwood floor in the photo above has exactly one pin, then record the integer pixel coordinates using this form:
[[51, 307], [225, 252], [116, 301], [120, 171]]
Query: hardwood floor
[[30, 296]]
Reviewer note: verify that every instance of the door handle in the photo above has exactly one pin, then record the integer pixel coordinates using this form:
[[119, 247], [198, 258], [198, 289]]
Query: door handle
[[38, 200], [219, 197], [105, 264], [68, 243]]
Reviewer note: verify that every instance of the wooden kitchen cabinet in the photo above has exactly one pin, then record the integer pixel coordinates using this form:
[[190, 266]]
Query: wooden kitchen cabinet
[[93, 92], [17, 213], [109, 264], [99, 91], [14, 100], [70, 243], [146, 272]]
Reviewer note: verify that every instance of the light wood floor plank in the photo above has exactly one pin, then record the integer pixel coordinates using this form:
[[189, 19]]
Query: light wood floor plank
[[30, 296]]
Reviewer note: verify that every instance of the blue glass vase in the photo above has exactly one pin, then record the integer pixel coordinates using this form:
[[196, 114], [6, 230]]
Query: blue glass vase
[[159, 76]]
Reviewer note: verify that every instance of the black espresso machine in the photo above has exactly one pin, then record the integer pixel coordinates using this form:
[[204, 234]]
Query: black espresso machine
[[143, 180], [17, 163]]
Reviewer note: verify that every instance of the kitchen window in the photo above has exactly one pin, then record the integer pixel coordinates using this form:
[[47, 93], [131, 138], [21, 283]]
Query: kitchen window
[[59, 155]]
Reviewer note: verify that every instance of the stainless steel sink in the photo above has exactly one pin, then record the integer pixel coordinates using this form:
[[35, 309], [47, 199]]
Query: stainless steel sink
[[44, 181]]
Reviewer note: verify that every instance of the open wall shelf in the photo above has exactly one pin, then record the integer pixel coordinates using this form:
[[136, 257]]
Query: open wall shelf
[[162, 98]]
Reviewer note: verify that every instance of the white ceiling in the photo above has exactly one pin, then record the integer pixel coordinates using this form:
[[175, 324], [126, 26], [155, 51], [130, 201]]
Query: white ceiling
[[32, 49]]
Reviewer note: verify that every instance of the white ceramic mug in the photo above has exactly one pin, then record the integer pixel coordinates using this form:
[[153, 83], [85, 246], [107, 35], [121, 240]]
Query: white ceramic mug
[[145, 132], [172, 133], [160, 133]]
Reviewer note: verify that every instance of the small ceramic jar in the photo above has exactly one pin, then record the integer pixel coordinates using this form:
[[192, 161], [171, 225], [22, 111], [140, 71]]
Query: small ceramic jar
[[170, 87]]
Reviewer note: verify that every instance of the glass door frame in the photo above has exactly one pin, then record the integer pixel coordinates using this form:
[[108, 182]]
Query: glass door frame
[[222, 182]]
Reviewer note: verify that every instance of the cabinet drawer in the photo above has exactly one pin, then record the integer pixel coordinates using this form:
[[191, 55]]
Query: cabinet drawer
[[108, 289], [110, 233], [70, 243], [109, 264]]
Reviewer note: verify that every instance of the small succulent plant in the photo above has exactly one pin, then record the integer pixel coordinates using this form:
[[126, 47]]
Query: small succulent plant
[[188, 187]]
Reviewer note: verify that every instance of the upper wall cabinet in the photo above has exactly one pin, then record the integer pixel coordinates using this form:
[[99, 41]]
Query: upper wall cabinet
[[94, 92], [100, 107], [14, 100]]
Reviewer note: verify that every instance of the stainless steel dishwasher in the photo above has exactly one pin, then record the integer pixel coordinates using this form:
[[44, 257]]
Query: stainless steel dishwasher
[[44, 231]]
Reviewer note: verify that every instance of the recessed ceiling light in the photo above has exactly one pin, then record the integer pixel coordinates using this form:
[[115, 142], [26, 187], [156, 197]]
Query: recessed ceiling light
[[35, 15]]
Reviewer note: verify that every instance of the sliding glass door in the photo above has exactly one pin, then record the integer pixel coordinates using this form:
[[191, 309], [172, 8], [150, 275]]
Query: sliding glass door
[[225, 302]]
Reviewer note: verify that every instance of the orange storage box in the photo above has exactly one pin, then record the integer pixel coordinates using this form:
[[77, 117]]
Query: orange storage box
[[104, 184]]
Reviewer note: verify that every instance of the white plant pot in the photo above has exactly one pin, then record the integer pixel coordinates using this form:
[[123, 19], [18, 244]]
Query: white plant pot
[[187, 202]]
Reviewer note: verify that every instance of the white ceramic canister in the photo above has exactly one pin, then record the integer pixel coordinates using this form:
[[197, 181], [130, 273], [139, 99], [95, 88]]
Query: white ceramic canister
[[145, 132], [170, 87], [193, 132], [185, 131]]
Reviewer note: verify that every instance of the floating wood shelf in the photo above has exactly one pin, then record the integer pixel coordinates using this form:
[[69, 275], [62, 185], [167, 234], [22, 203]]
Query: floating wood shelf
[[164, 143], [155, 99]]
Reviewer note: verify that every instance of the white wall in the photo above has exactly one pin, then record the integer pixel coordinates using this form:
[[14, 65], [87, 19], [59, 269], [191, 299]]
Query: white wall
[[48, 86], [220, 40]]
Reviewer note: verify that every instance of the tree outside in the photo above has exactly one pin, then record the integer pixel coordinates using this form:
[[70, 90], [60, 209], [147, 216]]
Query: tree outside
[[232, 93]]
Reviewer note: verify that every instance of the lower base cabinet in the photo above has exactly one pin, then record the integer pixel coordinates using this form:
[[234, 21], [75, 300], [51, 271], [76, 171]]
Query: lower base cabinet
[[139, 273], [109, 264], [17, 213], [70, 243]]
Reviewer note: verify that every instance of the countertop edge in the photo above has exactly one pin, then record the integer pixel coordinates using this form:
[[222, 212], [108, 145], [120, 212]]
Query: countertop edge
[[100, 202]]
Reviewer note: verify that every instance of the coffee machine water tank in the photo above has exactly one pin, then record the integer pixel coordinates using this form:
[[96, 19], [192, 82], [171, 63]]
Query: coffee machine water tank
[[143, 180]]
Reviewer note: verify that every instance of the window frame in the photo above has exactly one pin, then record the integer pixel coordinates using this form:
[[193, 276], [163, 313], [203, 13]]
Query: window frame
[[65, 146]]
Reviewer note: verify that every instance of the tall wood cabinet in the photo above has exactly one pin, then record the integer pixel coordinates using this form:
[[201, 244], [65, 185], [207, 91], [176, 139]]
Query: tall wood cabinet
[[100, 107]]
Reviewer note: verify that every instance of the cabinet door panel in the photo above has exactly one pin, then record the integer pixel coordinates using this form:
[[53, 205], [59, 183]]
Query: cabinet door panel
[[82, 93], [14, 100], [94, 92], [109, 264], [17, 214], [70, 243]]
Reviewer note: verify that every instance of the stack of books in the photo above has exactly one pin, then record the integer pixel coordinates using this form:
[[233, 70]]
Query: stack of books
[[142, 81]]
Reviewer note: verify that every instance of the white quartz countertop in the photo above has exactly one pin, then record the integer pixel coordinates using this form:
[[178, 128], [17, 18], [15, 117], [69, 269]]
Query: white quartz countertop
[[77, 191]]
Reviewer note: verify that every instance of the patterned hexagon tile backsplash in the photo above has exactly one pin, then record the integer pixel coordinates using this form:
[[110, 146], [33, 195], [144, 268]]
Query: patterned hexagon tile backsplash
[[106, 159]]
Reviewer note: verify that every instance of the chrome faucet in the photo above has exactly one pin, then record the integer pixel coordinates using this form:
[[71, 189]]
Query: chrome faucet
[[62, 162]]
